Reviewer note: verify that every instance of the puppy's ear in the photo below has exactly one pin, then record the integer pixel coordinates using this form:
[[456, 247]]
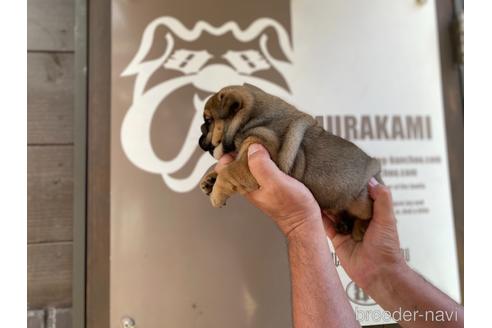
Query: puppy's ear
[[230, 103]]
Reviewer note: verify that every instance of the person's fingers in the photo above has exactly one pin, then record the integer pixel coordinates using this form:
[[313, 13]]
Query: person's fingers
[[260, 164], [383, 203], [223, 161]]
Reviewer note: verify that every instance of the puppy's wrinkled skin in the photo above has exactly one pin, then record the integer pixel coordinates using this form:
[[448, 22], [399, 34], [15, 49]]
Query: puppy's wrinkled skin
[[334, 169]]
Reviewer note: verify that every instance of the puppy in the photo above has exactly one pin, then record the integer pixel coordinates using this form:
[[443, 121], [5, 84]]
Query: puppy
[[334, 169]]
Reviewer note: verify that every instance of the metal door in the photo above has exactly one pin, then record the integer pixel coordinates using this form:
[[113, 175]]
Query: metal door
[[368, 70]]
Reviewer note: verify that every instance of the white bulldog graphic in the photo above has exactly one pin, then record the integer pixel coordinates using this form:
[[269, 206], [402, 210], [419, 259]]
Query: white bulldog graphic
[[207, 71]]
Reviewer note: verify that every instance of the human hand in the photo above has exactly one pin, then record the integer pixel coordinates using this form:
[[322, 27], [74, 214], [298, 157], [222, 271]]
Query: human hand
[[287, 201], [318, 297], [378, 254]]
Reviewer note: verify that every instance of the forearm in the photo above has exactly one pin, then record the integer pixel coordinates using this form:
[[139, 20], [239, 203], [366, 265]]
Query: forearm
[[413, 301], [318, 298]]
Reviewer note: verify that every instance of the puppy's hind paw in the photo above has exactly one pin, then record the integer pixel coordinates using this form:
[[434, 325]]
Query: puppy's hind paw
[[344, 223], [360, 227], [208, 182]]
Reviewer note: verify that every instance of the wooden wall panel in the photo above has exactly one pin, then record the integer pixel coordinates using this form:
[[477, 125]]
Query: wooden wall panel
[[50, 25], [49, 193], [50, 98], [49, 275]]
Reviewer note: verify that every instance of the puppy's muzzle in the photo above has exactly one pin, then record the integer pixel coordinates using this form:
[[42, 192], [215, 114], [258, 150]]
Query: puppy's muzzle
[[203, 140], [206, 146], [227, 147]]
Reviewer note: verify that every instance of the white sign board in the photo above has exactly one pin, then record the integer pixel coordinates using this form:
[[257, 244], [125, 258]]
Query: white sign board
[[373, 75]]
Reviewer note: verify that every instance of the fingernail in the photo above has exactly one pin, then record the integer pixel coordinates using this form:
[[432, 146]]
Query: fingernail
[[253, 149], [373, 182]]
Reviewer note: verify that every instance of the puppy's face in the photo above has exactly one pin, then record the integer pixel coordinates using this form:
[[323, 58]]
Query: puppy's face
[[224, 113]]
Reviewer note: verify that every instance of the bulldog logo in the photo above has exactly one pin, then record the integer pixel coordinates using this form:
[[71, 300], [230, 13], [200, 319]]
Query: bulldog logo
[[202, 67]]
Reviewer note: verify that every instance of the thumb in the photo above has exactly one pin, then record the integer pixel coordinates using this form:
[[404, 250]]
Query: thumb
[[383, 203], [260, 164]]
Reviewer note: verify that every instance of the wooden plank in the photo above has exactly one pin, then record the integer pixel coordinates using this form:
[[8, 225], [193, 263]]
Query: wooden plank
[[50, 25], [98, 165], [49, 193], [49, 275], [49, 98], [453, 110]]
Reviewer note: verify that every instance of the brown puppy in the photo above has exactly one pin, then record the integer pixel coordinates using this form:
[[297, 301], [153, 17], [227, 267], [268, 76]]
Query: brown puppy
[[334, 169]]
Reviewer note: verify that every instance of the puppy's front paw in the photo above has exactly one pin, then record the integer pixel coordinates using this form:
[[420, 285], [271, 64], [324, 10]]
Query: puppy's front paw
[[208, 182], [248, 186], [218, 200], [220, 193]]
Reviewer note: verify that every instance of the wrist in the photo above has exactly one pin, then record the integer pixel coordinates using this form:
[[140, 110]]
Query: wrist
[[306, 228], [387, 279]]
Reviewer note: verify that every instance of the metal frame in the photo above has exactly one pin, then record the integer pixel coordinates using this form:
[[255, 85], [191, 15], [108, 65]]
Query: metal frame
[[98, 164], [98, 154], [79, 165], [453, 114]]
